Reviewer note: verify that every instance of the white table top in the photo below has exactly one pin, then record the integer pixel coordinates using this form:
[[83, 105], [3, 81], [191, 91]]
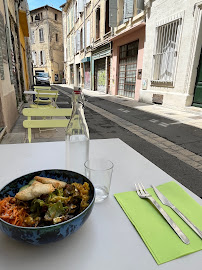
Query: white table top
[[107, 240]]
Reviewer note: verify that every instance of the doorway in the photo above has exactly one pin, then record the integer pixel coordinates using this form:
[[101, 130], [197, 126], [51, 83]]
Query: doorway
[[197, 101], [127, 69]]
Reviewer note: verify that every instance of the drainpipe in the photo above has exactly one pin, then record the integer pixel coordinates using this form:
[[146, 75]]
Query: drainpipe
[[84, 32], [8, 31]]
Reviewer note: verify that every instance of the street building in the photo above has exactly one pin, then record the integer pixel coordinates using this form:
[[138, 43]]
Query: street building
[[107, 51], [47, 42], [128, 47], [172, 66], [15, 61], [148, 50]]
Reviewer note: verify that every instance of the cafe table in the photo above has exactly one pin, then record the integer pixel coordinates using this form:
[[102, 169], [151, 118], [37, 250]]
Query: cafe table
[[107, 240]]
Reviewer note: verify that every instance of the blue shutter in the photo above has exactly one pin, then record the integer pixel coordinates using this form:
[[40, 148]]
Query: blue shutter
[[80, 6], [113, 13], [128, 9]]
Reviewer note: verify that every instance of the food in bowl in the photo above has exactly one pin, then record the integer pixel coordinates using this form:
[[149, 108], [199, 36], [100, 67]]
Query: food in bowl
[[48, 232], [44, 201]]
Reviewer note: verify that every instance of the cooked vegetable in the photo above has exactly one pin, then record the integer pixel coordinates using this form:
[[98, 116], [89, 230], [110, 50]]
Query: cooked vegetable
[[43, 204]]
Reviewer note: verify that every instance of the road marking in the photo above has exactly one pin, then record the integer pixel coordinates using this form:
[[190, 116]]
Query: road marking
[[153, 120], [163, 124], [123, 110]]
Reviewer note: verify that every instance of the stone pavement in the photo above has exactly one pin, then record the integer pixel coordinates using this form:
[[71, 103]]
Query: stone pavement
[[19, 133]]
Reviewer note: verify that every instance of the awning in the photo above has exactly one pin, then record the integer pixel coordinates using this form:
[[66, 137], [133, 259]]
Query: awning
[[23, 22], [86, 59]]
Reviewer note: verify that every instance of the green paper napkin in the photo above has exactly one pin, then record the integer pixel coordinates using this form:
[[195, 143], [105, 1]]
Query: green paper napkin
[[159, 237]]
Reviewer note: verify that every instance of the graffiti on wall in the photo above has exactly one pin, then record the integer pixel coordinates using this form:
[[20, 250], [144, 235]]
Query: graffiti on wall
[[101, 77]]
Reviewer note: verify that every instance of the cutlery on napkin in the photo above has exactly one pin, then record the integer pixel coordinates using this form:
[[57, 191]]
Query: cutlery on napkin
[[166, 202]]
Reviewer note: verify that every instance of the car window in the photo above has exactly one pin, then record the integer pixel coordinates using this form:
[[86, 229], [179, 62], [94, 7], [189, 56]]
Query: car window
[[43, 74]]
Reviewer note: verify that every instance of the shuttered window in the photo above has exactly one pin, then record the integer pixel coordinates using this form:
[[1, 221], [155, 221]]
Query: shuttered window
[[113, 13], [34, 58], [88, 34], [80, 5], [166, 51], [128, 9], [42, 59], [41, 36], [78, 41], [32, 37]]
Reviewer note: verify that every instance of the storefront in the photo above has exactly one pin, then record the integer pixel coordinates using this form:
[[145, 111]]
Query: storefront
[[100, 72], [127, 69], [86, 67], [127, 61]]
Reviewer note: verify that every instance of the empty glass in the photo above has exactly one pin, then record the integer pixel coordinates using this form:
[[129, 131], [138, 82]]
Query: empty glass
[[99, 171]]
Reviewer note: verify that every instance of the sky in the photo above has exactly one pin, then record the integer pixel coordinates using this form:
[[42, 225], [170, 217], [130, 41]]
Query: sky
[[39, 3]]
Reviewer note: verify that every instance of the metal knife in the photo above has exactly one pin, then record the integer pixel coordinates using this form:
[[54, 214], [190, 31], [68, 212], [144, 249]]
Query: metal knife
[[166, 202]]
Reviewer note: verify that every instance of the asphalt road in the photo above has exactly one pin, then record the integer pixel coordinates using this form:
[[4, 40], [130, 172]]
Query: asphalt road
[[186, 136]]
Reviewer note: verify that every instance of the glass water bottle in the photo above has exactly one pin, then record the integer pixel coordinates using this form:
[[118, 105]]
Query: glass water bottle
[[77, 135]]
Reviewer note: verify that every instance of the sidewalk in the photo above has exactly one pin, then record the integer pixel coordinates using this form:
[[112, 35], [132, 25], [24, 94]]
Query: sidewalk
[[190, 116]]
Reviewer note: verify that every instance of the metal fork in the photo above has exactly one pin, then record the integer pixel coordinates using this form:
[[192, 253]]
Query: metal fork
[[143, 194]]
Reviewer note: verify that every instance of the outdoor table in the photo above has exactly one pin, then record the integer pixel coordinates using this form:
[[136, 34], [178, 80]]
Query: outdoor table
[[107, 240]]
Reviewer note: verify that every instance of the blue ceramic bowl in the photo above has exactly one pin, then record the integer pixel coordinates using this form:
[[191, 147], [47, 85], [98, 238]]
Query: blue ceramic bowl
[[52, 233]]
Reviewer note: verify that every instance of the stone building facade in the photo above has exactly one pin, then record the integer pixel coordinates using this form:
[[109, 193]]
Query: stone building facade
[[47, 42], [92, 61], [172, 54]]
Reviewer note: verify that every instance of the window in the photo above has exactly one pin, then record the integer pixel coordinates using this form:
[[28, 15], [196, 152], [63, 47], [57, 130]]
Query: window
[[81, 39], [41, 37], [34, 58], [41, 58], [166, 51], [88, 34], [32, 19], [76, 13], [98, 23], [32, 37], [37, 17], [56, 17], [107, 28], [56, 37]]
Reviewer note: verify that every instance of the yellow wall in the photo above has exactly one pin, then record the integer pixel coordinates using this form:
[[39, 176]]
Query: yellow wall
[[24, 59]]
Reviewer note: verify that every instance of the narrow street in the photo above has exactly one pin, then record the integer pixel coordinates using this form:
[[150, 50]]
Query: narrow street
[[174, 147]]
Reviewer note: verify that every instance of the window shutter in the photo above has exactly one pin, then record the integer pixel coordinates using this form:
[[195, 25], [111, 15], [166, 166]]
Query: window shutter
[[75, 13], [39, 58], [140, 6], [88, 34], [80, 4], [78, 40], [128, 9], [72, 45], [65, 53], [44, 58], [112, 13], [75, 43], [33, 37], [83, 38]]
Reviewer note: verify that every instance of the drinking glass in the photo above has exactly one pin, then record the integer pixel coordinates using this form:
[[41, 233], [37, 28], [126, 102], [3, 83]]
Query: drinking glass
[[99, 171]]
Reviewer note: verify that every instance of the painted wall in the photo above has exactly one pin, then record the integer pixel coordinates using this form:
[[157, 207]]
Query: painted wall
[[8, 106], [126, 38], [180, 94]]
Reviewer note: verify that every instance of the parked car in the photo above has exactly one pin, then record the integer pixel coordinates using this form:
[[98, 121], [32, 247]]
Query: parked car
[[42, 78]]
